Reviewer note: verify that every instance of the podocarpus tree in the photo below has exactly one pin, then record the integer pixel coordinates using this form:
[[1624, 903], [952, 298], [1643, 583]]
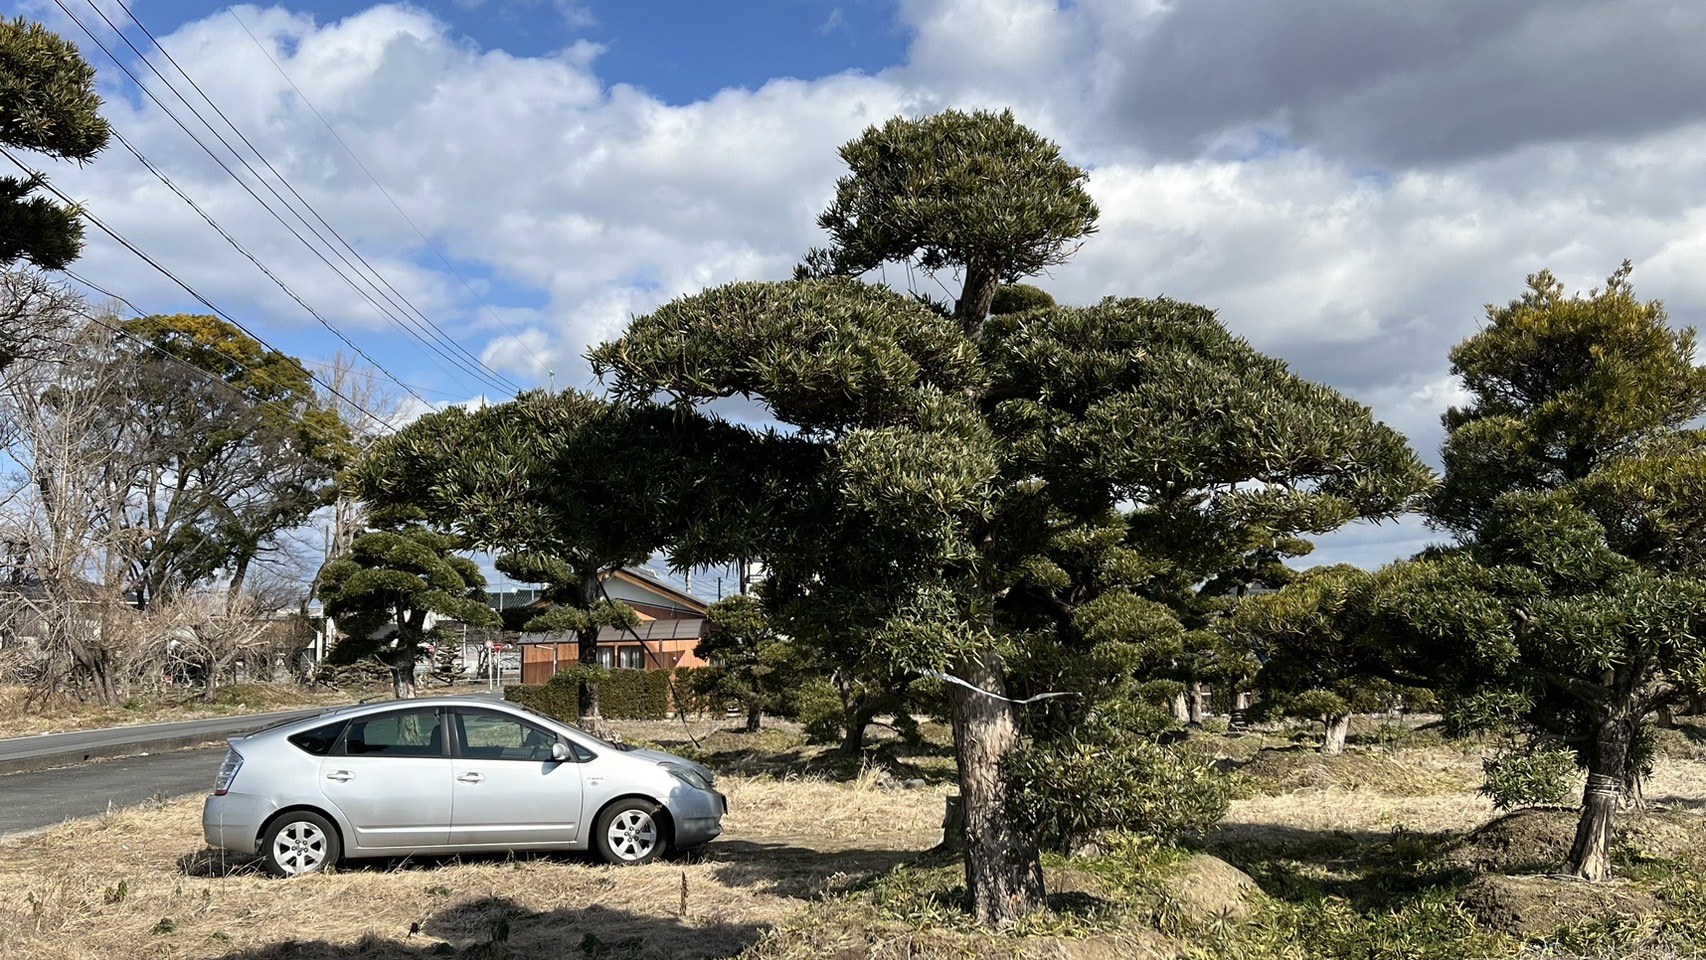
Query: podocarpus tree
[[1572, 483], [47, 105], [748, 658], [1323, 656], [383, 590], [557, 483], [957, 482]]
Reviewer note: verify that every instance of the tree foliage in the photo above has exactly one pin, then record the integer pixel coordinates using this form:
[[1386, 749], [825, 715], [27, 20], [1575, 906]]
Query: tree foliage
[[230, 446], [382, 592], [1569, 608], [48, 105], [976, 191]]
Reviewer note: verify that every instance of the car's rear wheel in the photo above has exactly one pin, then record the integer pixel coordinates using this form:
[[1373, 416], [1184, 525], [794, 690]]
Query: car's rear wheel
[[629, 833], [299, 843]]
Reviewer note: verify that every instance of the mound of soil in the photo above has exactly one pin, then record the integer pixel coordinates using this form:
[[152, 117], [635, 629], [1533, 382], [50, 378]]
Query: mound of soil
[[1531, 907], [1205, 887], [1527, 841], [1534, 841], [1278, 771]]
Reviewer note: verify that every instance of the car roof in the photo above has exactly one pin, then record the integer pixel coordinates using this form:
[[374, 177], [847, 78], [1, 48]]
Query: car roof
[[345, 711]]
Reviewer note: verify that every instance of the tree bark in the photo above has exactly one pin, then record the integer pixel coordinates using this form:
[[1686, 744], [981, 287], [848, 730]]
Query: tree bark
[[587, 647], [1181, 710], [1338, 726], [403, 670], [754, 717], [1194, 704], [1004, 877], [972, 309], [1590, 856]]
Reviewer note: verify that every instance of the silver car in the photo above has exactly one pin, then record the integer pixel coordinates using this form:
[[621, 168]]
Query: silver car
[[450, 775]]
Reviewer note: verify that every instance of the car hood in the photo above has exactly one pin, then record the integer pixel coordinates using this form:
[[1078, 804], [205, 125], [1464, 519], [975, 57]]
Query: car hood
[[658, 756]]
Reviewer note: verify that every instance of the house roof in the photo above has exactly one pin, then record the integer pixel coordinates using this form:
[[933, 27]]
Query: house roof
[[648, 579], [686, 628]]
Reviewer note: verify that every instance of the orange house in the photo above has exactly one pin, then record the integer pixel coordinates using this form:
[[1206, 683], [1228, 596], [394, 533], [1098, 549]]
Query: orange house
[[671, 623]]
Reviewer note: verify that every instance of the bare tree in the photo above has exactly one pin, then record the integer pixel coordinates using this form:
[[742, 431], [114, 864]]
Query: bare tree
[[66, 492]]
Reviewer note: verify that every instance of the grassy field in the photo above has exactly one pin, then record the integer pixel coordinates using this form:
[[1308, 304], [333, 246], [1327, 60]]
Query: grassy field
[[1382, 853]]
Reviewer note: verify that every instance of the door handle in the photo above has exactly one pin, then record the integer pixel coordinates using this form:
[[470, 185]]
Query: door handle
[[472, 777], [341, 776]]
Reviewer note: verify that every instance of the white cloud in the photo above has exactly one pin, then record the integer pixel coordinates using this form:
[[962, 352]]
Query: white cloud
[[1247, 182]]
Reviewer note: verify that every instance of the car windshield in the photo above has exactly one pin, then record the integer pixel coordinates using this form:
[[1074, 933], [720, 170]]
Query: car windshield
[[595, 738]]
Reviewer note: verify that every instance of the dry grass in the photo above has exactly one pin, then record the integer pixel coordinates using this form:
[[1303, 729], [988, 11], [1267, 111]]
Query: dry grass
[[64, 714], [138, 883]]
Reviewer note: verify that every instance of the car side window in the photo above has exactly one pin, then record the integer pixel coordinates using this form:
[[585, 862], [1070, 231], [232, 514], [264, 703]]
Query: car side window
[[488, 735], [320, 740], [400, 733]]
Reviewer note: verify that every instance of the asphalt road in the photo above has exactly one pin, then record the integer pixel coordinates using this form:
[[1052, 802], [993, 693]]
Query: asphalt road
[[79, 745], [43, 798]]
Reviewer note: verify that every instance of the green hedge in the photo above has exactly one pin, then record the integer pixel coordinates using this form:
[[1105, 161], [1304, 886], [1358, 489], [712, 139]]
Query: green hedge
[[622, 694], [698, 691], [560, 702]]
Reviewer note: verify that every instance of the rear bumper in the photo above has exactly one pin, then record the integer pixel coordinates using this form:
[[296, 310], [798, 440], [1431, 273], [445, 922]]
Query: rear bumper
[[233, 822]]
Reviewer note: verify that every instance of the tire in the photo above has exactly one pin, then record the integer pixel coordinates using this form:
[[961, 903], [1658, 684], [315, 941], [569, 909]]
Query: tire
[[299, 843], [629, 833]]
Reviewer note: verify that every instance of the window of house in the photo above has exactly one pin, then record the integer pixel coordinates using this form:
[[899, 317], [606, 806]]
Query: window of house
[[633, 658], [606, 657]]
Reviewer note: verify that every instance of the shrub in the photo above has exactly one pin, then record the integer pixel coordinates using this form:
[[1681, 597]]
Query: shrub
[[1073, 790], [1531, 777], [558, 701], [700, 690], [817, 705], [622, 694]]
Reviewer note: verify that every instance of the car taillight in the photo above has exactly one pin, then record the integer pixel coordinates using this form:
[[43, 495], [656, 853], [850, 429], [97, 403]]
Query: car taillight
[[227, 773]]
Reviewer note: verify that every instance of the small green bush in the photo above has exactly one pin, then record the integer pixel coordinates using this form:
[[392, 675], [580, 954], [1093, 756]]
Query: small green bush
[[557, 701], [1071, 791], [701, 691], [817, 705], [1533, 777]]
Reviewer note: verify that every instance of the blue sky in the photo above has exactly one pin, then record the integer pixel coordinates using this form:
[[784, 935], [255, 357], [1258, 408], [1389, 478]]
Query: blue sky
[[1346, 186]]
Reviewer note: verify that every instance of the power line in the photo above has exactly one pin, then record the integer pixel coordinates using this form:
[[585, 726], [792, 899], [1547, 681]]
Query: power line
[[212, 377], [442, 335], [83, 211], [223, 165], [261, 266], [386, 193]]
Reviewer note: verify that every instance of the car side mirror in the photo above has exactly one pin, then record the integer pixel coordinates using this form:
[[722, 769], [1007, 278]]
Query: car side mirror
[[559, 751]]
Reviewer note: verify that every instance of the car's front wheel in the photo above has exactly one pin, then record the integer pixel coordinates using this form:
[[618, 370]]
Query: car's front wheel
[[297, 843], [629, 833]]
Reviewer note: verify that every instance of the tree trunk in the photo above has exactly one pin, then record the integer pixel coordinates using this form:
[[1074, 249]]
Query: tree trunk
[[975, 297], [1194, 704], [1181, 710], [590, 718], [1004, 877], [587, 654], [403, 671], [1590, 856], [1338, 726], [754, 716]]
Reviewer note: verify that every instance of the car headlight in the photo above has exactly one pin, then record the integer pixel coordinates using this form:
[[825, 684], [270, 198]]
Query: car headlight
[[687, 775]]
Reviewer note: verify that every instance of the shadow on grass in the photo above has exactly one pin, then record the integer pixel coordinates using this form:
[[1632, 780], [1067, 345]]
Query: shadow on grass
[[765, 753], [797, 871], [1370, 870], [498, 927]]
